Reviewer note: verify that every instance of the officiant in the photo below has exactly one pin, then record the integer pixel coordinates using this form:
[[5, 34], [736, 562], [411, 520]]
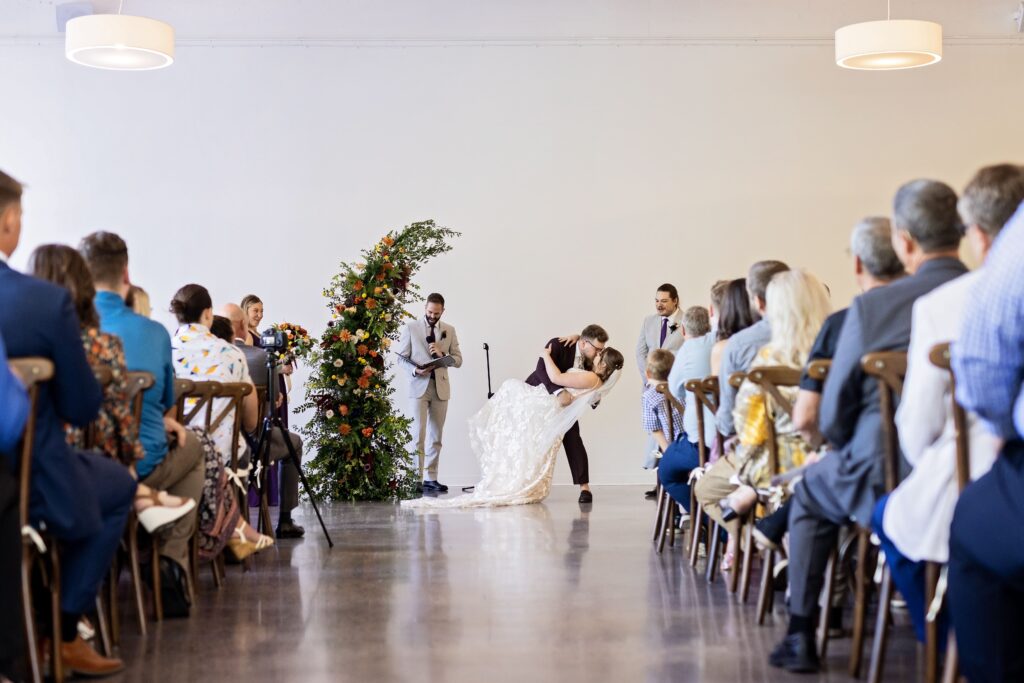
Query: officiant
[[426, 349]]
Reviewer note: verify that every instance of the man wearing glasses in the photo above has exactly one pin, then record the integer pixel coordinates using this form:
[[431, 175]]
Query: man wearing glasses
[[573, 352]]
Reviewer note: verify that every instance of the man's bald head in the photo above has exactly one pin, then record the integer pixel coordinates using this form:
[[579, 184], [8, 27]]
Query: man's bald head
[[236, 315]]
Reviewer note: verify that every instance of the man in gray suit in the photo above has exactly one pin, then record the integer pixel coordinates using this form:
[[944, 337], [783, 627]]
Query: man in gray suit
[[422, 341], [256, 359], [843, 487]]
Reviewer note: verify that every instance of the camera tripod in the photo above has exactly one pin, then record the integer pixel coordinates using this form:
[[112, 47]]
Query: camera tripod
[[261, 453]]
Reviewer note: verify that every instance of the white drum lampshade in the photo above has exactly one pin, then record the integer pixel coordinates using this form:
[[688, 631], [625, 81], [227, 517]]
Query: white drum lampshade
[[889, 44], [120, 42]]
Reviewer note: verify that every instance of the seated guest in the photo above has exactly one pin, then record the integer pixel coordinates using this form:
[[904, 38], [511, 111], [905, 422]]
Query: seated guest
[[221, 329], [200, 356], [736, 314], [138, 301], [842, 488], [692, 362], [913, 522], [986, 544], [797, 306], [83, 498], [115, 427], [875, 264], [15, 404], [256, 359], [739, 353], [657, 421]]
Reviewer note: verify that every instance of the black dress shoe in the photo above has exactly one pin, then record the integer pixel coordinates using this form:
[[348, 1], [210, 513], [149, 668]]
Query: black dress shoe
[[289, 529], [440, 487], [435, 486], [797, 653], [651, 494], [586, 497]]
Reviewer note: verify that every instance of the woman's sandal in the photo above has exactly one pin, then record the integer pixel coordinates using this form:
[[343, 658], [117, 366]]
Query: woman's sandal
[[157, 516], [241, 547]]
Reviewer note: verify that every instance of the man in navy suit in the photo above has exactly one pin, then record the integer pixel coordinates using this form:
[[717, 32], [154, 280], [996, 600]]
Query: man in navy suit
[[83, 499]]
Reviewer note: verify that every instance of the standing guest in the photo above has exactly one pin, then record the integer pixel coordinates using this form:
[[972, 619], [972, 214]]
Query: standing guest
[[15, 404], [172, 456], [842, 488], [913, 521], [252, 306], [83, 498], [986, 540], [138, 301], [422, 341], [692, 362], [661, 330], [256, 359]]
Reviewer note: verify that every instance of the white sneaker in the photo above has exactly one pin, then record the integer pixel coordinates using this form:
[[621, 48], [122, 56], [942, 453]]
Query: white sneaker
[[156, 517]]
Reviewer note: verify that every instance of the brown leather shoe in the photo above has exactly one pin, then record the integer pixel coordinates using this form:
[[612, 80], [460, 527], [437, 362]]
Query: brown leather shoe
[[81, 659]]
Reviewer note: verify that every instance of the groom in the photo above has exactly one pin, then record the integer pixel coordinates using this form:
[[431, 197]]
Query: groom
[[569, 355]]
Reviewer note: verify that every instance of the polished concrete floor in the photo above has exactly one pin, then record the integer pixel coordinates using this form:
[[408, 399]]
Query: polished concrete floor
[[547, 592]]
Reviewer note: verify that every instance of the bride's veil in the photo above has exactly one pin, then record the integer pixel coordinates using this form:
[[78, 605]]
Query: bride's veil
[[565, 418]]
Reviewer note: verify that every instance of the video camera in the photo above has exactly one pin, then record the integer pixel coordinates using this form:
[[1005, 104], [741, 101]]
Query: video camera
[[274, 340]]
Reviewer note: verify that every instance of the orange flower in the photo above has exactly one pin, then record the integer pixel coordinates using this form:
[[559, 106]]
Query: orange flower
[[346, 336], [359, 285], [362, 349], [368, 371], [378, 290], [371, 304], [343, 410], [368, 431], [373, 354], [388, 241], [380, 276], [345, 430], [364, 383], [388, 266]]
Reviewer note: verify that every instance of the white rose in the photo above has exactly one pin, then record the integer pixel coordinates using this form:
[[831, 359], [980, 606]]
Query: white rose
[[338, 363], [329, 414]]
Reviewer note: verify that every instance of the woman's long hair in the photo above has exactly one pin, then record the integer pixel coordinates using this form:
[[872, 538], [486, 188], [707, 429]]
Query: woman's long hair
[[797, 305], [64, 266], [736, 314]]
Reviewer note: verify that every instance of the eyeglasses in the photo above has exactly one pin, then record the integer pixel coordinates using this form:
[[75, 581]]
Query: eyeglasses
[[596, 347]]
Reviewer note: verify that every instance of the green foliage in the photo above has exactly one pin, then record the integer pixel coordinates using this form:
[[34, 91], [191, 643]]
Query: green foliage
[[359, 438]]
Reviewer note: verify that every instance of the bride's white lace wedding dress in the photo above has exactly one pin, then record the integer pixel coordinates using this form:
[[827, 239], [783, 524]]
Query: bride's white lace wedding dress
[[516, 437]]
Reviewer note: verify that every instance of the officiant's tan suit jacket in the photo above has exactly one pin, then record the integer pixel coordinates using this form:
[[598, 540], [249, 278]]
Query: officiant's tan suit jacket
[[412, 350]]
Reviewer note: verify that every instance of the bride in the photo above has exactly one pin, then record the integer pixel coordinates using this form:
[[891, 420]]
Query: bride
[[517, 434]]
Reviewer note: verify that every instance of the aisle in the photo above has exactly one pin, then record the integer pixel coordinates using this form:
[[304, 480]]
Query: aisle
[[536, 593]]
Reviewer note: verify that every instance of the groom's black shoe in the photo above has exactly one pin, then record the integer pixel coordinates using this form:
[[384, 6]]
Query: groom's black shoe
[[586, 497], [434, 486], [651, 495]]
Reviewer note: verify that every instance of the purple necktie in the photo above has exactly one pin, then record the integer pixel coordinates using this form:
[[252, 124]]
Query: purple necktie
[[664, 331]]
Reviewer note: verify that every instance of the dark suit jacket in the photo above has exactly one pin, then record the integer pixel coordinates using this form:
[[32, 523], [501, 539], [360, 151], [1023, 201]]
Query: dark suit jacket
[[563, 355], [38, 319], [878, 320]]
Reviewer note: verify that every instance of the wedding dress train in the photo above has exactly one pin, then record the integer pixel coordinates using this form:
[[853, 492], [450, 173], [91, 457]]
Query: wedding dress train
[[516, 437]]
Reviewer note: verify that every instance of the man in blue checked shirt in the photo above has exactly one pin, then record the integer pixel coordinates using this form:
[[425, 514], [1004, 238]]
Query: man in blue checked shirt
[[986, 545]]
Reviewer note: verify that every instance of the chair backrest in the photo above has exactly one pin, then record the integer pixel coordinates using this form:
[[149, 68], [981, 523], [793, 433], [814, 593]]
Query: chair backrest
[[104, 376], [32, 371], [889, 368], [818, 369], [236, 393], [940, 358], [736, 379], [261, 399], [769, 379], [701, 389], [670, 403], [138, 383], [196, 397]]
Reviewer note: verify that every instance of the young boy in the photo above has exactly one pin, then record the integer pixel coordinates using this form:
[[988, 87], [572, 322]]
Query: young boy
[[659, 422]]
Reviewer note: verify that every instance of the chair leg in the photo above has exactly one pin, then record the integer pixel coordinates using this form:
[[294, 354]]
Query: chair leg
[[951, 670], [827, 595], [666, 521], [696, 525], [748, 558], [860, 604], [878, 646], [136, 572], [670, 520], [734, 572], [28, 615], [931, 628], [712, 560], [56, 662], [767, 587], [193, 552], [102, 625], [115, 618], [660, 515], [158, 594]]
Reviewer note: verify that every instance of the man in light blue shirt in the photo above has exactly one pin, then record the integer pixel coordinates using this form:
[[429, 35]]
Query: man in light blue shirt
[[173, 460], [986, 542]]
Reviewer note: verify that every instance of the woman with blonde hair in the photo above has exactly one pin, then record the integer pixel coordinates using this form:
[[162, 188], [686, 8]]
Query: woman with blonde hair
[[797, 305]]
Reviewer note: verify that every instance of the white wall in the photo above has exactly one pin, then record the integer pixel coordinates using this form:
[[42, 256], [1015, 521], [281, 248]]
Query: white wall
[[581, 177]]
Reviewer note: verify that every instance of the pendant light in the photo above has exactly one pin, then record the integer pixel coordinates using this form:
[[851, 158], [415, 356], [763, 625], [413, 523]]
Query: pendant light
[[889, 45], [119, 42]]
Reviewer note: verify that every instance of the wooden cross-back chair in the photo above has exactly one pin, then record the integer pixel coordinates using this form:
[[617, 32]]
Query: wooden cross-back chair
[[715, 548], [889, 368], [34, 371], [706, 392], [664, 524], [770, 380]]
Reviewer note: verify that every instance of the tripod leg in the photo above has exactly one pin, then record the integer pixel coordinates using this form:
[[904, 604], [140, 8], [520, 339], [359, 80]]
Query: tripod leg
[[302, 478]]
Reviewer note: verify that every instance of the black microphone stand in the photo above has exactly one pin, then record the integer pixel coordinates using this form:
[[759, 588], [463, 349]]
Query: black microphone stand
[[490, 394]]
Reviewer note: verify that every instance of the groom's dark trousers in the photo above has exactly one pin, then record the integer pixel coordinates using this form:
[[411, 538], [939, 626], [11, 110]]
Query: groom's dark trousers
[[564, 356]]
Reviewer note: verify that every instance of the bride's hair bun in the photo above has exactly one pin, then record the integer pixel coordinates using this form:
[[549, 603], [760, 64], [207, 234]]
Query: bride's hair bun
[[613, 361]]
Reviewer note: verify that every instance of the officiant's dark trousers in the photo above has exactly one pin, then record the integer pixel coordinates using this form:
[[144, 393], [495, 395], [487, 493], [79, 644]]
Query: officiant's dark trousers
[[577, 454]]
